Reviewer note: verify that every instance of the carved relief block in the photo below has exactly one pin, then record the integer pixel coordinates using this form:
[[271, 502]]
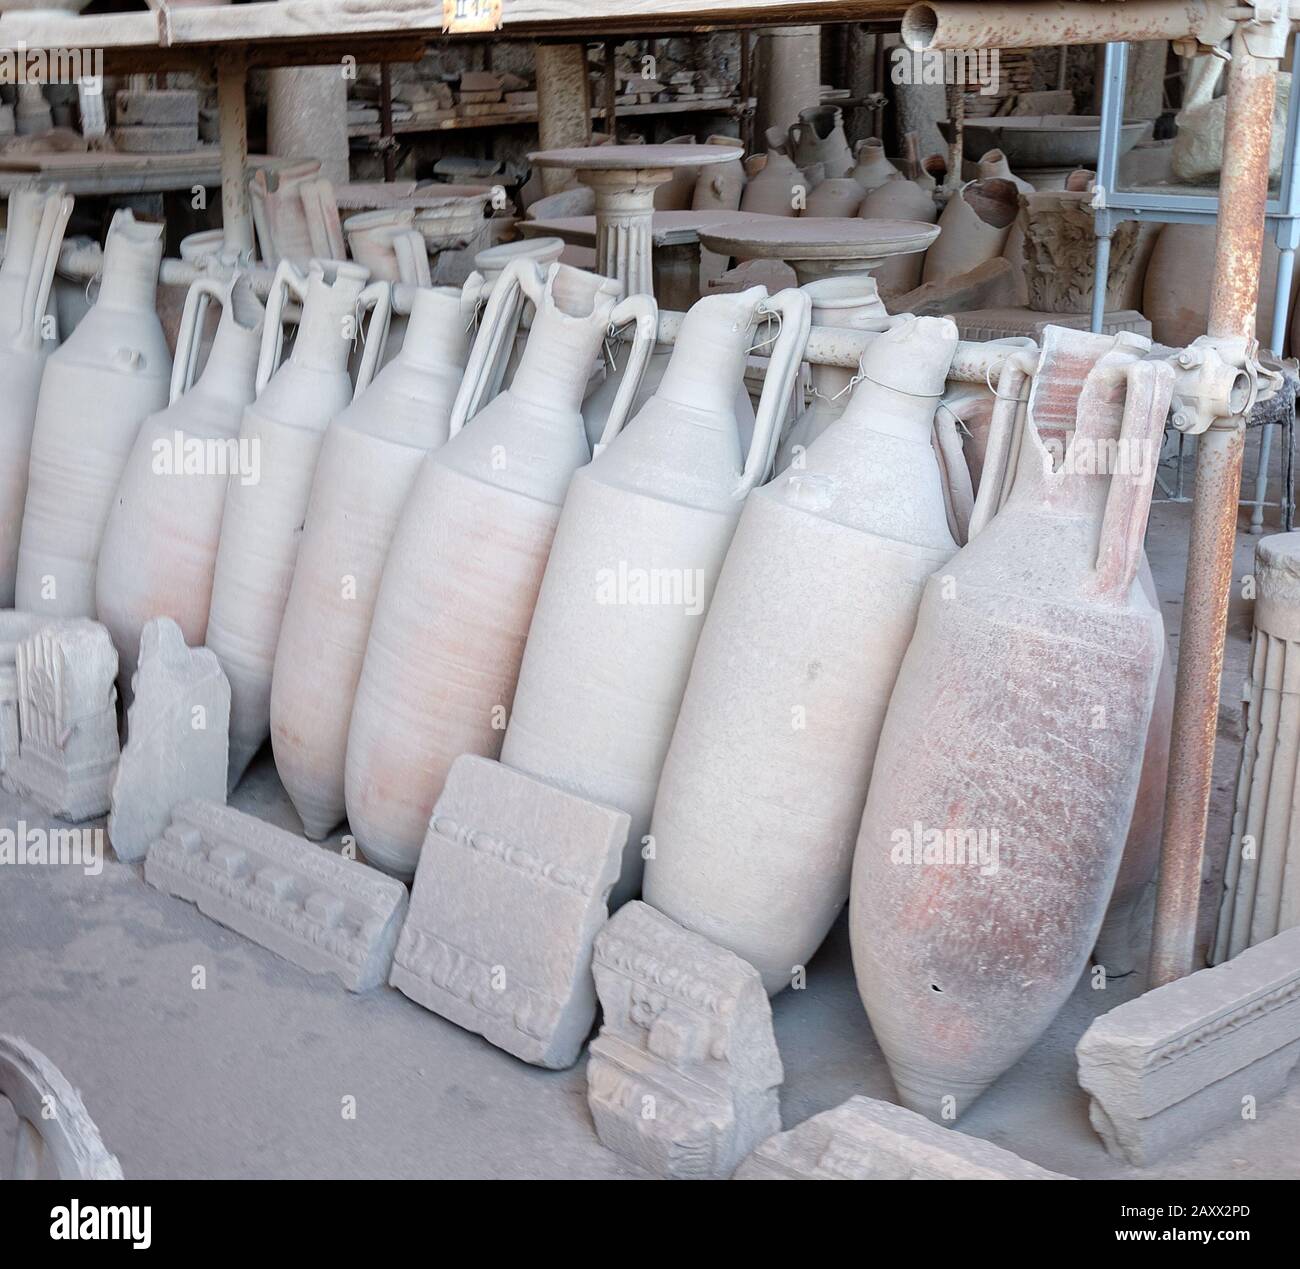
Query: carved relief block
[[1060, 246], [868, 1140], [178, 737], [1170, 1066], [327, 914], [683, 1077], [67, 720], [511, 887]]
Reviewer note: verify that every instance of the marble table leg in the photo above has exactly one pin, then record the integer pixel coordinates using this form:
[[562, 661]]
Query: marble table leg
[[624, 213]]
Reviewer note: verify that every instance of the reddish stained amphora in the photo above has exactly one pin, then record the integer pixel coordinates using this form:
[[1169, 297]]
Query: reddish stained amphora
[[1011, 751]]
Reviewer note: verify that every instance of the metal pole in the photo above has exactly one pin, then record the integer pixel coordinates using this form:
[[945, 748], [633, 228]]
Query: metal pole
[[236, 219], [1243, 191]]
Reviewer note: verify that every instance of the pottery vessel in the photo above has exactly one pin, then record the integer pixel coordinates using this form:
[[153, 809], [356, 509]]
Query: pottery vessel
[[774, 191], [900, 200], [836, 196], [675, 194], [468, 554], [37, 219], [818, 138], [993, 165], [285, 426], [390, 246], [98, 387], [160, 541], [368, 462], [295, 214], [1009, 760], [873, 169], [851, 302], [762, 791], [720, 186], [644, 531], [973, 227]]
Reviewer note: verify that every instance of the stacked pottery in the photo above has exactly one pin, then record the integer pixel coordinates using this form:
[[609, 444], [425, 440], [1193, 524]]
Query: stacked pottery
[[763, 787], [852, 303], [263, 520], [719, 186], [369, 461], [873, 169], [900, 200], [160, 542], [468, 555], [36, 222], [1009, 761], [643, 534], [817, 140], [98, 387], [973, 228], [776, 189]]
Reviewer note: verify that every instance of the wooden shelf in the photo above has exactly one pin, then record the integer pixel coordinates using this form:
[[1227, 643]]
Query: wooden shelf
[[517, 118]]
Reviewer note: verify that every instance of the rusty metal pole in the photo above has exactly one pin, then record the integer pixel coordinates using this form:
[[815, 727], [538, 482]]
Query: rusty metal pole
[[1243, 191]]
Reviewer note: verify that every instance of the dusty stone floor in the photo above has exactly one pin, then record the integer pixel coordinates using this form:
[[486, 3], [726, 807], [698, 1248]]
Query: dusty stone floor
[[248, 1077]]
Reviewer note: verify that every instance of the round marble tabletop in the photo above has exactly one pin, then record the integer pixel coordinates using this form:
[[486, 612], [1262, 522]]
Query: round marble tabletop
[[620, 158], [667, 228]]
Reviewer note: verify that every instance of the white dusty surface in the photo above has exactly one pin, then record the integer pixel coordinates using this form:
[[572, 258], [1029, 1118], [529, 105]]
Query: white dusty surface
[[247, 1077]]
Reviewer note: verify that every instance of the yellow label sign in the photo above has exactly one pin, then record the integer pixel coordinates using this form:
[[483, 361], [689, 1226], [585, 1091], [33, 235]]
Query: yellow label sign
[[459, 16]]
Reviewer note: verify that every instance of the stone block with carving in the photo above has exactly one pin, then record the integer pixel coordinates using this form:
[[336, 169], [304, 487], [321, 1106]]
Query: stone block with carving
[[511, 887], [177, 738], [867, 1140], [683, 1077], [1060, 246], [67, 720], [1194, 1055], [15, 626], [327, 914]]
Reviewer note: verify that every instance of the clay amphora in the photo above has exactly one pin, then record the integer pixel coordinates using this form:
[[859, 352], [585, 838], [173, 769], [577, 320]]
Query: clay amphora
[[390, 246], [643, 534], [98, 387], [369, 461], [773, 190], [873, 169], [850, 302], [675, 194], [993, 165], [719, 186], [973, 228], [836, 196], [467, 558], [295, 214], [818, 138], [37, 219], [263, 521], [762, 791], [1010, 756], [900, 200], [160, 541]]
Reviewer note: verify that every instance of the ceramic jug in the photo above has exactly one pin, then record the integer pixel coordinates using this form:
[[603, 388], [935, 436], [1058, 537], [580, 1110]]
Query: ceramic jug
[[899, 200], [773, 190], [160, 541], [850, 302], [468, 554], [98, 387], [762, 791], [719, 186], [873, 169], [643, 534], [973, 227], [37, 219], [285, 426], [836, 196], [1009, 760], [368, 462], [818, 138]]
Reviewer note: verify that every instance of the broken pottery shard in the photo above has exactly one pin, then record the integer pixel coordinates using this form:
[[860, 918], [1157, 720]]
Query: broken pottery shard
[[1166, 1068], [67, 720], [683, 1077], [510, 891], [327, 914], [177, 738], [867, 1140]]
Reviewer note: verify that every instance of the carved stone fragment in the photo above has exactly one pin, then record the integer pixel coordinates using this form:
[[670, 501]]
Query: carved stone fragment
[[511, 888], [1196, 1054], [327, 914], [867, 1140], [683, 1077]]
